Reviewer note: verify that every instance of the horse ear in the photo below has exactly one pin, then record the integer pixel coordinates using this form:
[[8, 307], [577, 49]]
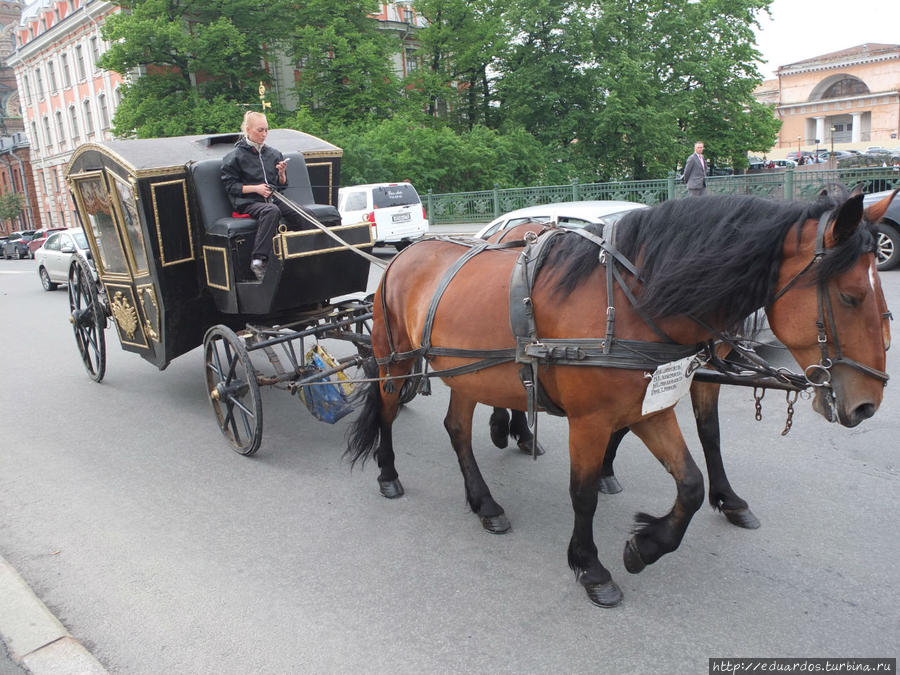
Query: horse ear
[[876, 211], [857, 189], [847, 219]]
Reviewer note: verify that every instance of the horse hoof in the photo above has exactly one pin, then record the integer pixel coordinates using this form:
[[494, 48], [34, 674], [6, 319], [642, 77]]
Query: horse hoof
[[742, 518], [496, 524], [525, 446], [604, 595], [499, 425], [632, 557], [391, 488], [609, 485]]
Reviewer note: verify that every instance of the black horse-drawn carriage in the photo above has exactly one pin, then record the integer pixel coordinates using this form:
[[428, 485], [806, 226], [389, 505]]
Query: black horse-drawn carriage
[[172, 270]]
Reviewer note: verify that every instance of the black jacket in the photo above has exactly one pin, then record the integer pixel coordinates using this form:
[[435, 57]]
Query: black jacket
[[245, 166]]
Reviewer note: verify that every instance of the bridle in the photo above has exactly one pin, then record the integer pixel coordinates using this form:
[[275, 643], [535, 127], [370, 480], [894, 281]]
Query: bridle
[[819, 374]]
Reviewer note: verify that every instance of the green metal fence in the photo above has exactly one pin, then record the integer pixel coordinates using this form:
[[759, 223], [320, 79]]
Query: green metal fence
[[803, 183]]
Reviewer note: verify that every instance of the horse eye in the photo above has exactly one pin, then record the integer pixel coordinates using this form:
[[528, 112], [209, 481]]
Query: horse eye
[[849, 300]]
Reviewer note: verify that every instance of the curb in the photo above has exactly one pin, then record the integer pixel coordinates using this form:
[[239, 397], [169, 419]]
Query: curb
[[35, 638]]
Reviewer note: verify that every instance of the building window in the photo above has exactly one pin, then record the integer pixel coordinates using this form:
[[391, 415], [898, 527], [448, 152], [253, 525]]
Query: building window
[[39, 82], [60, 129], [79, 61], [104, 111], [27, 86], [64, 64], [846, 87], [411, 61], [88, 119], [95, 52], [73, 120], [48, 138], [51, 75], [70, 4], [35, 141]]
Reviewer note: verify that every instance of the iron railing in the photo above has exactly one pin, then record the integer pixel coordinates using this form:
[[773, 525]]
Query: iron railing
[[803, 183]]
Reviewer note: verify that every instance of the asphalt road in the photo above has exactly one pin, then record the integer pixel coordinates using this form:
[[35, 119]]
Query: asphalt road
[[164, 551]]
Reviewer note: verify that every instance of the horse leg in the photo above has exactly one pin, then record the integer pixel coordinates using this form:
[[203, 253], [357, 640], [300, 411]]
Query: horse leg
[[584, 478], [609, 484], [370, 433], [518, 429], [654, 537], [705, 401], [499, 424], [458, 424]]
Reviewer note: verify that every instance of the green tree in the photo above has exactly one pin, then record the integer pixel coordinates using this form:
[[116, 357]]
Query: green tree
[[194, 63], [462, 40], [345, 61], [11, 205]]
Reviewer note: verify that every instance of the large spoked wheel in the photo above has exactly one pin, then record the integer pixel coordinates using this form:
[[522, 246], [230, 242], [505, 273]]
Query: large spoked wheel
[[88, 319], [233, 389]]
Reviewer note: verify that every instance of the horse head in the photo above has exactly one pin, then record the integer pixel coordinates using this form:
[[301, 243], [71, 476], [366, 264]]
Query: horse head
[[830, 310]]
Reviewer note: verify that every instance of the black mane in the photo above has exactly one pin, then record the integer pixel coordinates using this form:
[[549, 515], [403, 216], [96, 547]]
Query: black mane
[[715, 258]]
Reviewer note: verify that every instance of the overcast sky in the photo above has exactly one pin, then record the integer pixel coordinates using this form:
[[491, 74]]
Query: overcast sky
[[801, 29]]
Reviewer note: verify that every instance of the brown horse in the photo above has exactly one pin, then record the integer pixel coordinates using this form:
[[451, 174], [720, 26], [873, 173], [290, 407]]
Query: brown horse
[[701, 266]]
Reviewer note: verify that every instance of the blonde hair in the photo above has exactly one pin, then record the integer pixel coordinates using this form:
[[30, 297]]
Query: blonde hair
[[247, 117]]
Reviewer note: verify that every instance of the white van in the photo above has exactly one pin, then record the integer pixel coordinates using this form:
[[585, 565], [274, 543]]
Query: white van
[[394, 211]]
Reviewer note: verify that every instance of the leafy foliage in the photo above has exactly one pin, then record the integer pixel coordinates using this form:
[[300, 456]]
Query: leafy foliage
[[508, 93], [11, 205]]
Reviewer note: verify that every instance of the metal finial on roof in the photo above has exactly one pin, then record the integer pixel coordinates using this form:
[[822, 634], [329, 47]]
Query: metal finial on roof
[[262, 97]]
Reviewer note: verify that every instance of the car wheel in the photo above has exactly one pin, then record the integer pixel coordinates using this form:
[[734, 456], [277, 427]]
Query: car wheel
[[45, 280], [18, 253], [30, 254], [887, 246]]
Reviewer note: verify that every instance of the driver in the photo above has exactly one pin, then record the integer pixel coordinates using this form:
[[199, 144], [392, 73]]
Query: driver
[[250, 173]]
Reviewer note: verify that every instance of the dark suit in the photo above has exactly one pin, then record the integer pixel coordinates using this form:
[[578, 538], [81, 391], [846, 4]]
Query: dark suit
[[695, 175]]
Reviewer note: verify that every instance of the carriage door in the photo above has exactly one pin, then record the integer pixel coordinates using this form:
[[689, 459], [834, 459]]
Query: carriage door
[[108, 209]]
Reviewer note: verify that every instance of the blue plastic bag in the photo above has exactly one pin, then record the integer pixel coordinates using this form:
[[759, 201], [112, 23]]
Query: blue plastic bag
[[333, 398]]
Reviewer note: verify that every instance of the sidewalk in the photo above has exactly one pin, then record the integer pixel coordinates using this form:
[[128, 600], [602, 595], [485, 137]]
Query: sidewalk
[[34, 639]]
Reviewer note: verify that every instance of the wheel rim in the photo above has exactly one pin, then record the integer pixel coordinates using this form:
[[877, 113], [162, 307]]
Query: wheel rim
[[86, 317], [233, 389], [885, 248], [45, 280]]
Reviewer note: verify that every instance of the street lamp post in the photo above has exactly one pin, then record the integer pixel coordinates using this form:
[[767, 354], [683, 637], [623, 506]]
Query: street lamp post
[[798, 148], [816, 157], [832, 162], [832, 140]]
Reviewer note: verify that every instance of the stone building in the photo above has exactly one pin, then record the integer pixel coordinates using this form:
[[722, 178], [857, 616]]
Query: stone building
[[849, 97], [67, 99]]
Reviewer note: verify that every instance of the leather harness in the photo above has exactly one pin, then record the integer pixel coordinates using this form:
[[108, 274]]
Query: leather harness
[[532, 352]]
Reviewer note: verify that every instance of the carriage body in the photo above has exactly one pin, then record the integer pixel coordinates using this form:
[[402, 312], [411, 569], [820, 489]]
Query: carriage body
[[173, 261]]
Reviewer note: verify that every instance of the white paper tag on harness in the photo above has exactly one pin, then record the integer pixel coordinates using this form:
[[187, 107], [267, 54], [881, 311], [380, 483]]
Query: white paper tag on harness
[[669, 383]]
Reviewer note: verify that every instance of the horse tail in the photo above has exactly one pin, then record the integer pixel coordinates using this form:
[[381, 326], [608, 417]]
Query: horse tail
[[364, 433]]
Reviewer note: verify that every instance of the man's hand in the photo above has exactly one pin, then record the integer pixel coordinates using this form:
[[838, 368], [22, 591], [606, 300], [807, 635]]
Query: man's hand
[[261, 189]]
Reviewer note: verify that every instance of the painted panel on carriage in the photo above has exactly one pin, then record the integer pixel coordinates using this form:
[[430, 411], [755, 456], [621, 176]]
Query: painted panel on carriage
[[669, 384], [131, 225], [96, 206]]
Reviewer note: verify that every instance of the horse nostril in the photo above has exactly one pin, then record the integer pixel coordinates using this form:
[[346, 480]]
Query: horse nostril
[[863, 412]]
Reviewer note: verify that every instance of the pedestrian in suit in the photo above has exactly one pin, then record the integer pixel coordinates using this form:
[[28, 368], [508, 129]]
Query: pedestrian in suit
[[695, 171]]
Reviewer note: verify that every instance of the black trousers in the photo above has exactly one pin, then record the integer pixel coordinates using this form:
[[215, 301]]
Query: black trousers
[[268, 215]]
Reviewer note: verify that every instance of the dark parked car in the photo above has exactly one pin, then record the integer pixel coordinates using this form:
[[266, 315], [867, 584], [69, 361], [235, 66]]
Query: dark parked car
[[17, 245], [888, 239], [3, 243]]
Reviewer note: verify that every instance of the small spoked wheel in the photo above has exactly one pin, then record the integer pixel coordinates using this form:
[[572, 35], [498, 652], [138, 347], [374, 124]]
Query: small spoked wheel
[[233, 389], [88, 319]]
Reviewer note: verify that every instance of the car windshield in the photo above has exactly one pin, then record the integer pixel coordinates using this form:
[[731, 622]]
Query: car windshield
[[394, 195], [80, 239]]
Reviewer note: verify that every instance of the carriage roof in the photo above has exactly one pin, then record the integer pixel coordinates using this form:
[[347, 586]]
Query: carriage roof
[[148, 156]]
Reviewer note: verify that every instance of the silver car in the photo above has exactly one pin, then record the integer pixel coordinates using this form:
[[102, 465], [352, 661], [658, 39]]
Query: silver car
[[566, 214], [887, 244], [54, 258]]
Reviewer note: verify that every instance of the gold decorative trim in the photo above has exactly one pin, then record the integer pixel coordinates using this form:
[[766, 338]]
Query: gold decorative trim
[[187, 216], [125, 313], [73, 181], [136, 269], [335, 152], [330, 165], [224, 253], [124, 163], [146, 292], [280, 241]]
